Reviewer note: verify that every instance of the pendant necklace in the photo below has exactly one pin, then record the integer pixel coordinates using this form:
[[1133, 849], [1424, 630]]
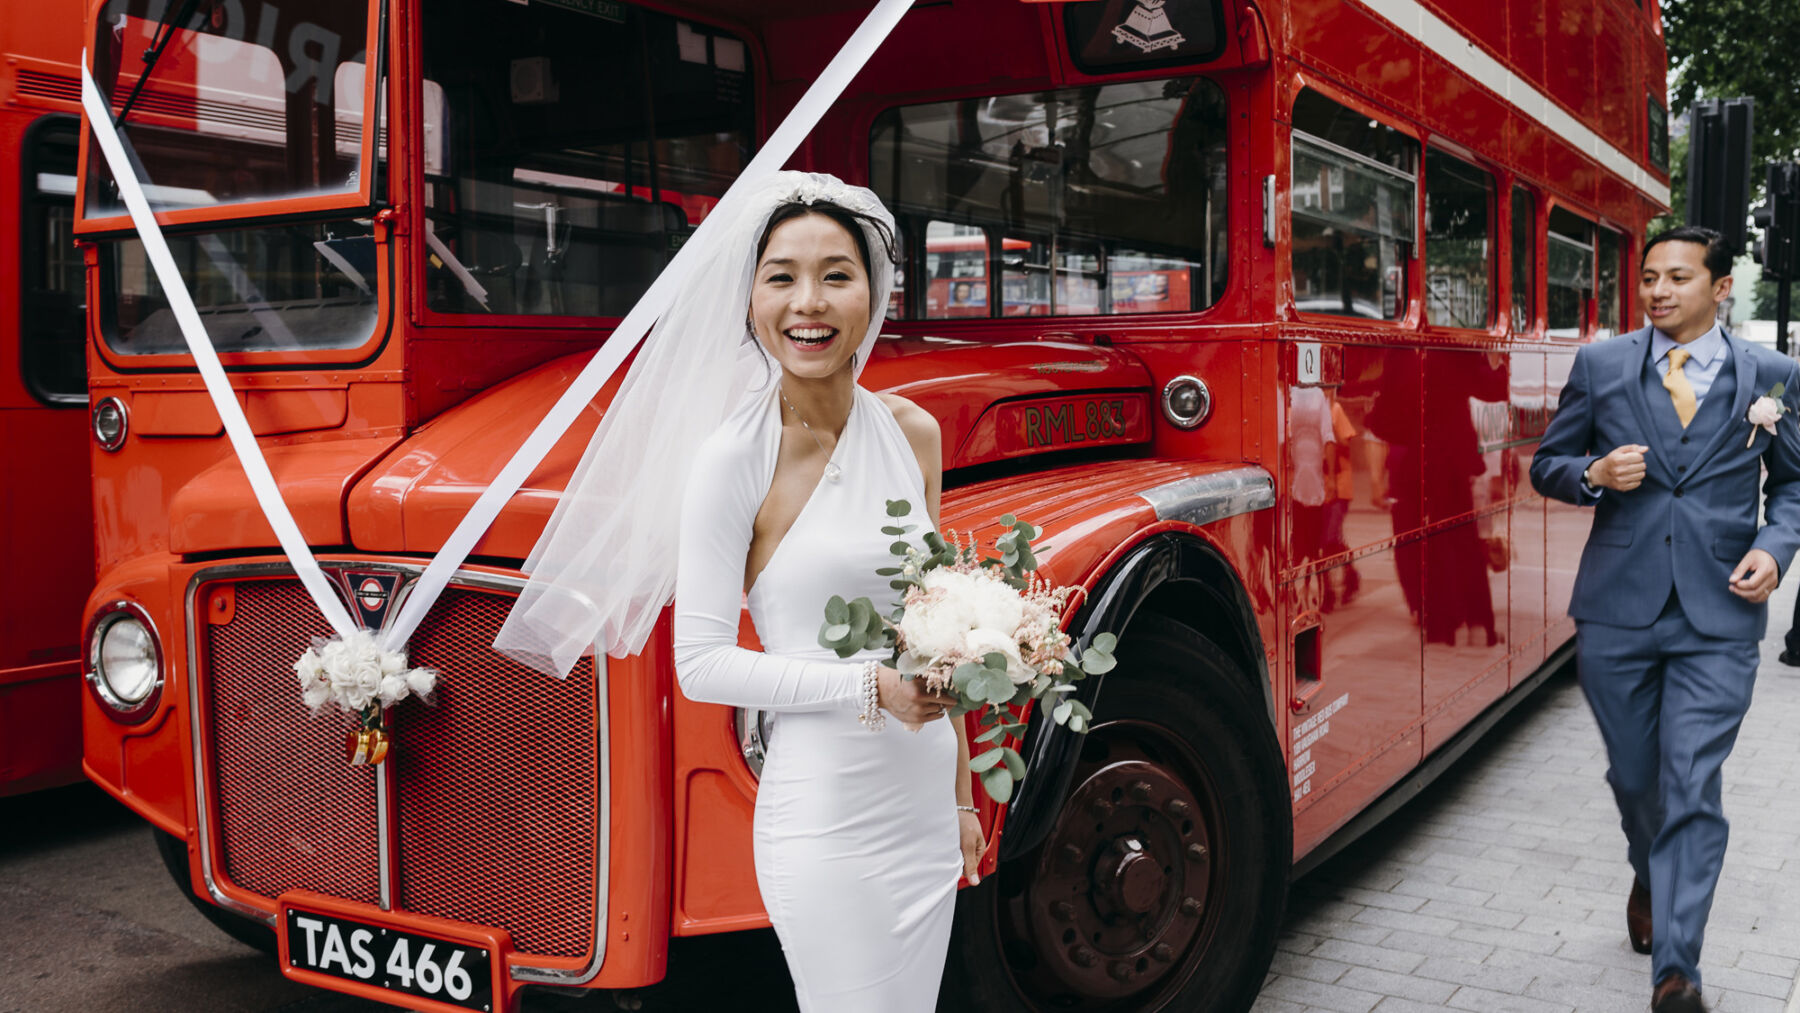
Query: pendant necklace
[[832, 471]]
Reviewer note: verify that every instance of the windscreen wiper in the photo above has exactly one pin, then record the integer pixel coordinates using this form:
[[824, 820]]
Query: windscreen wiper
[[165, 33]]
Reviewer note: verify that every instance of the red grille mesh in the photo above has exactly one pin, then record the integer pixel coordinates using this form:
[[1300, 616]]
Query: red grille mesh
[[499, 785], [291, 813]]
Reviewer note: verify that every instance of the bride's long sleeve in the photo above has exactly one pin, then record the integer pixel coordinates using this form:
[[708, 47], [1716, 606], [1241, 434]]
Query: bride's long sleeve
[[718, 513]]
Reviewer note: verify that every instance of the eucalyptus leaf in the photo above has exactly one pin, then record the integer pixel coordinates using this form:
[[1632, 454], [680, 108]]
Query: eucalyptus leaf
[[892, 530], [890, 571], [994, 734], [998, 783], [1104, 643], [836, 632], [899, 548], [1097, 662], [1778, 390], [837, 610], [1014, 762], [1078, 724], [959, 678], [1061, 714], [985, 761], [898, 508], [990, 685]]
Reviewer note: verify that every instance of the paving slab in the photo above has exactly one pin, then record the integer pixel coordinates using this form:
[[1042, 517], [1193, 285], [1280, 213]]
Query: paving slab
[[1502, 886]]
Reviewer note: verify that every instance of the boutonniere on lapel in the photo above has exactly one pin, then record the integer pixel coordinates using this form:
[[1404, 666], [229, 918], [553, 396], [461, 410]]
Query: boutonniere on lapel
[[1765, 411]]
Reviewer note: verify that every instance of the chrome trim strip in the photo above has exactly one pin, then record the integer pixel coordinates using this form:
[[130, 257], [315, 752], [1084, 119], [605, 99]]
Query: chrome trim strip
[[461, 578], [384, 830], [1203, 499]]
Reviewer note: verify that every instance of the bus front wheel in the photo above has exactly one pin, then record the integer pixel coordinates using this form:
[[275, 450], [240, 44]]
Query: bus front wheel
[[1162, 882]]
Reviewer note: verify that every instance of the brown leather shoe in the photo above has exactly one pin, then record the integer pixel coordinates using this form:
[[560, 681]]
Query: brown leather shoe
[[1637, 917], [1676, 994]]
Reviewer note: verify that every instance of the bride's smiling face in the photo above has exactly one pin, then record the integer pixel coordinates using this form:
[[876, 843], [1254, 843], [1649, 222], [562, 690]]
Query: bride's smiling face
[[810, 299]]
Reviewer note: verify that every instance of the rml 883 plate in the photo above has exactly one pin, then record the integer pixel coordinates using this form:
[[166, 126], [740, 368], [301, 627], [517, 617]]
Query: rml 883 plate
[[458, 974]]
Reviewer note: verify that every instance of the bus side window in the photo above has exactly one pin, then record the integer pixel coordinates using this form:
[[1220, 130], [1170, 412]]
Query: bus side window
[[1524, 261], [1086, 201], [1608, 253], [956, 271], [1569, 272], [1354, 192], [1459, 250], [53, 350]]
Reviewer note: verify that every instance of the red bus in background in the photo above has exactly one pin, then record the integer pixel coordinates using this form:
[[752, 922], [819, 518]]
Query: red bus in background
[[46, 523], [1235, 272]]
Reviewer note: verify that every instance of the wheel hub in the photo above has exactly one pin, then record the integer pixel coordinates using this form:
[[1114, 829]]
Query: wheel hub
[[1122, 882]]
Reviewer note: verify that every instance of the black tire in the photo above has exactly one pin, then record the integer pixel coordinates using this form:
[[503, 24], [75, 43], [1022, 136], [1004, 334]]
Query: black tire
[[248, 931], [1161, 885]]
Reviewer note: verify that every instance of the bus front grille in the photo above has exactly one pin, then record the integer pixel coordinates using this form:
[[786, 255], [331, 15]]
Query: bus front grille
[[496, 795], [499, 785], [291, 814]]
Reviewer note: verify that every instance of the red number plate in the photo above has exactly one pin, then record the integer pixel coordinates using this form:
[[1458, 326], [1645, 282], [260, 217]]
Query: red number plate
[[1070, 422]]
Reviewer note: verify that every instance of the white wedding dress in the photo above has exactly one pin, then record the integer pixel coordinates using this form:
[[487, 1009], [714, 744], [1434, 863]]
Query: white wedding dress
[[856, 836]]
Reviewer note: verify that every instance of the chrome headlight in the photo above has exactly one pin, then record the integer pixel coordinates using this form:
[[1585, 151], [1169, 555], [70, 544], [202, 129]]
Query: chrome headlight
[[110, 423], [753, 738], [125, 661], [1186, 401]]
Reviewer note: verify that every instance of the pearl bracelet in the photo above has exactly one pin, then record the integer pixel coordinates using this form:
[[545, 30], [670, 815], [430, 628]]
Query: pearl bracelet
[[871, 717], [968, 809]]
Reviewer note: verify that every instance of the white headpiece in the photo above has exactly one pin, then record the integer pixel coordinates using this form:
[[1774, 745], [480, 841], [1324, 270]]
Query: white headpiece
[[605, 565]]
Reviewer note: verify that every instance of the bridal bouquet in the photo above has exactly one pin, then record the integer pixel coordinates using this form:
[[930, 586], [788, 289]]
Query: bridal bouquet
[[985, 629], [359, 677]]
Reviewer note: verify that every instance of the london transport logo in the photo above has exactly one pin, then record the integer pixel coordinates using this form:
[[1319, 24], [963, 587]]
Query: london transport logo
[[1148, 28]]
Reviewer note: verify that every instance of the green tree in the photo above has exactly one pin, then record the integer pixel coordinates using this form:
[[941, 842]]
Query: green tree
[[1731, 49]]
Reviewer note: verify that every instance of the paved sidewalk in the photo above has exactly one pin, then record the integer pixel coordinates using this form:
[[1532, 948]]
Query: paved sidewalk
[[1502, 888]]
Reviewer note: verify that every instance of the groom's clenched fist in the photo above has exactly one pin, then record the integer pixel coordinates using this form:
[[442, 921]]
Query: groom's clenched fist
[[1622, 470]]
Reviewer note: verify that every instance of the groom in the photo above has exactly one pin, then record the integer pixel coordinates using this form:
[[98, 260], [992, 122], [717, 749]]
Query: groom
[[1669, 602]]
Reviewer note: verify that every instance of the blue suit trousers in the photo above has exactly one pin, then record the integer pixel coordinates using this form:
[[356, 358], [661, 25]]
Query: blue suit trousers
[[1669, 701]]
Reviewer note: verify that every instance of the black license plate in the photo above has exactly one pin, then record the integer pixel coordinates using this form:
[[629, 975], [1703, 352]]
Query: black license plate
[[425, 966]]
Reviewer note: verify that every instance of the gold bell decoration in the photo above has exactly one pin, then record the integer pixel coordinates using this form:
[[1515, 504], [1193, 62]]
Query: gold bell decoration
[[368, 745]]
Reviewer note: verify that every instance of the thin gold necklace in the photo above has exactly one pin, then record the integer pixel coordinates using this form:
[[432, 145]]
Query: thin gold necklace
[[832, 471]]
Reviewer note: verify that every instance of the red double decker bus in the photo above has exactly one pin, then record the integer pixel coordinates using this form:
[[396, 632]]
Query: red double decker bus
[[46, 528], [1268, 302]]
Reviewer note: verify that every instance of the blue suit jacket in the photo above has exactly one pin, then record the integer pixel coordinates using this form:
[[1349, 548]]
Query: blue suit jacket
[[1687, 529]]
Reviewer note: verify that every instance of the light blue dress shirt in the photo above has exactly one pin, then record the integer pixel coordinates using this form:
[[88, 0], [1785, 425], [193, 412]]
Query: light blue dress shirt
[[1708, 353]]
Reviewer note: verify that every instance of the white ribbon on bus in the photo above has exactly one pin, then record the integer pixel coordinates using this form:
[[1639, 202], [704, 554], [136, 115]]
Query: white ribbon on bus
[[781, 145]]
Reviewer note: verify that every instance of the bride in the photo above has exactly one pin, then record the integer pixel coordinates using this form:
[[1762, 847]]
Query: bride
[[862, 825]]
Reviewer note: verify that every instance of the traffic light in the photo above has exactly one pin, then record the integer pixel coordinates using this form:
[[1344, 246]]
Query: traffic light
[[1718, 184], [1779, 221]]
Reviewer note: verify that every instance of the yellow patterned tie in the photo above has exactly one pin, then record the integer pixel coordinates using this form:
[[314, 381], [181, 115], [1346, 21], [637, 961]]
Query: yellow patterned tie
[[1680, 391]]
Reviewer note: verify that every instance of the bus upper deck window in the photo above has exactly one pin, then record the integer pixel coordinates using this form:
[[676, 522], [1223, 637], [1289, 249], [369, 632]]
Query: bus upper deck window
[[1354, 211], [1568, 272], [1084, 201], [1459, 248]]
